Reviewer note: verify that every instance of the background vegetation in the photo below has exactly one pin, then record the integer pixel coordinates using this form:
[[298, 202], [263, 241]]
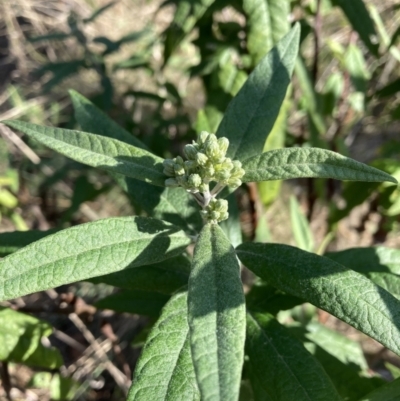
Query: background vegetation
[[165, 71]]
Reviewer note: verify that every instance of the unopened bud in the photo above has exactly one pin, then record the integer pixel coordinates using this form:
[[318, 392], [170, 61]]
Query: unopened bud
[[202, 137], [201, 159], [190, 165], [234, 182], [190, 152], [223, 144], [169, 167], [194, 180], [179, 170]]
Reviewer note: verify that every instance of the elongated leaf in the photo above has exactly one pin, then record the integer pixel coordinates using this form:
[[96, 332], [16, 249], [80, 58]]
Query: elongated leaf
[[330, 286], [301, 229], [388, 392], [173, 205], [381, 265], [134, 301], [341, 358], [267, 22], [252, 113], [216, 316], [265, 298], [88, 250], [92, 119], [12, 241], [97, 151], [309, 162], [165, 369], [282, 366], [358, 15], [164, 277], [367, 260]]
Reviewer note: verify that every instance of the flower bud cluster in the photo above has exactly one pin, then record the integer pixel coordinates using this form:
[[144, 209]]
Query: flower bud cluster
[[206, 162], [217, 210]]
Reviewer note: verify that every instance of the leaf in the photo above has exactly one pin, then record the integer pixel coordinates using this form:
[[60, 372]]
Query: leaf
[[358, 15], [267, 22], [97, 151], [165, 370], [388, 392], [134, 301], [309, 162], [12, 241], [252, 113], [282, 366], [381, 265], [328, 285], [164, 277], [300, 227], [216, 316], [389, 90], [173, 205], [265, 298], [356, 66], [231, 226], [20, 340], [92, 119], [88, 250]]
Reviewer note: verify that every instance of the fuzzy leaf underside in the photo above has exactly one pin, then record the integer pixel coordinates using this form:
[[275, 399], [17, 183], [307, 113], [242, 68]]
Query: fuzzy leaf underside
[[164, 371], [284, 164], [251, 115], [282, 367], [216, 316], [97, 151], [330, 286], [88, 250]]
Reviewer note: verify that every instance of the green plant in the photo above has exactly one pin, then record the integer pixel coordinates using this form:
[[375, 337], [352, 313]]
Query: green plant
[[196, 350]]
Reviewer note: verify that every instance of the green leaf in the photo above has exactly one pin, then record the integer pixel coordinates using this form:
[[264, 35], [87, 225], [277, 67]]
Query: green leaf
[[328, 285], [61, 388], [164, 277], [173, 205], [20, 340], [265, 298], [231, 226], [284, 164], [388, 392], [12, 241], [355, 64], [358, 15], [252, 113], [97, 151], [165, 369], [267, 22], [282, 366], [92, 119], [88, 250], [216, 316], [381, 265], [134, 301], [300, 227]]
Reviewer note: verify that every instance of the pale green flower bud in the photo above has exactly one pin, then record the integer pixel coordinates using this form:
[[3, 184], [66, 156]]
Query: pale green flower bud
[[212, 150], [223, 144], [171, 183], [201, 159], [178, 160], [223, 216], [209, 171], [202, 137], [226, 165], [190, 152], [222, 175], [221, 205], [190, 165], [237, 173], [169, 167], [214, 215], [204, 188], [194, 180], [179, 170], [234, 182]]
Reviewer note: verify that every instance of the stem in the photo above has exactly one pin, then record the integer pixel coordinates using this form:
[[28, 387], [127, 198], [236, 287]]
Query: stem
[[217, 189]]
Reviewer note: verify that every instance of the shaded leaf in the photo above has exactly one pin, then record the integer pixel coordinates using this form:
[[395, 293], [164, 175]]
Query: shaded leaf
[[388, 392], [300, 227], [216, 316], [281, 365], [134, 301], [165, 277]]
